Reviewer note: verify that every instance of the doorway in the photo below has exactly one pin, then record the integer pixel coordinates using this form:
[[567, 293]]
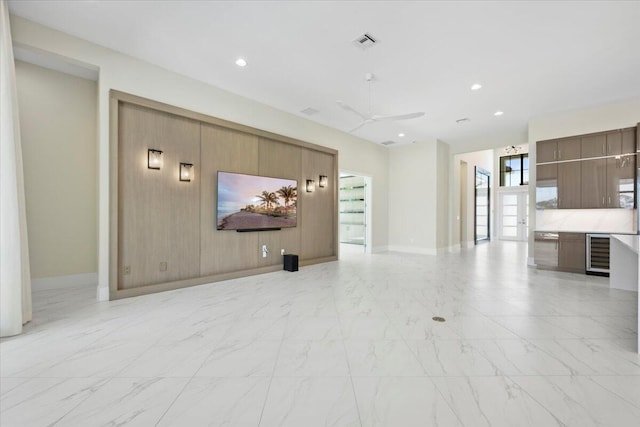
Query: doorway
[[513, 213], [354, 196], [482, 206]]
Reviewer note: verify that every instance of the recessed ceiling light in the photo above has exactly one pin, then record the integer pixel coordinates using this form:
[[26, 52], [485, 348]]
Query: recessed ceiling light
[[401, 134], [498, 113], [241, 62], [476, 86]]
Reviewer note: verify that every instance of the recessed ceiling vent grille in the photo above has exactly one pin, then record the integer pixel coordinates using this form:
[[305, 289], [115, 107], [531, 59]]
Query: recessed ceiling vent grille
[[463, 120], [309, 111], [365, 41], [387, 143]]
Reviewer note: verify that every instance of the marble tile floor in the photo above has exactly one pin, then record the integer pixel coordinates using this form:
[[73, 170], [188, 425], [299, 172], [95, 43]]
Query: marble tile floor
[[348, 343]]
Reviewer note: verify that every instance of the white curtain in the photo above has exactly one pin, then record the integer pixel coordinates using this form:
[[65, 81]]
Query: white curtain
[[15, 279]]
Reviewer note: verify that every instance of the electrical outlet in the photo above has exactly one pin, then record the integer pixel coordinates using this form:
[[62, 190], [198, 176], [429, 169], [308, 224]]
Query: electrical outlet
[[265, 251], [163, 266], [281, 251], [127, 269]]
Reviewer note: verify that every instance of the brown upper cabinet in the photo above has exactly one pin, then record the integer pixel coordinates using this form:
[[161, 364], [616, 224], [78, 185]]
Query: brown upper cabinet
[[588, 172], [558, 149], [569, 193], [546, 151], [620, 182], [628, 141], [614, 143], [594, 183], [569, 149], [594, 145], [608, 183]]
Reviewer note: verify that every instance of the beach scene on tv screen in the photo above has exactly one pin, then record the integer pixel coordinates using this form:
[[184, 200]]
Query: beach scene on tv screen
[[255, 202]]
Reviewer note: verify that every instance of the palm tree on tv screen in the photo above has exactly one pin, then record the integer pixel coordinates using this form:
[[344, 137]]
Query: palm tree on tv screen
[[267, 198], [287, 193]]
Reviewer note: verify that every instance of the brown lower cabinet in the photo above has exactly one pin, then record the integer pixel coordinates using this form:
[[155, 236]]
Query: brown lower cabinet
[[560, 251], [572, 252]]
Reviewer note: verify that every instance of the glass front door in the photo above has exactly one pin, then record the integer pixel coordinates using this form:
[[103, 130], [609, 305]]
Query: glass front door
[[513, 208]]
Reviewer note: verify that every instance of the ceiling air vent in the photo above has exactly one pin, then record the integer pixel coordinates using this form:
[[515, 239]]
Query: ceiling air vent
[[310, 111], [365, 41], [463, 120], [387, 143]]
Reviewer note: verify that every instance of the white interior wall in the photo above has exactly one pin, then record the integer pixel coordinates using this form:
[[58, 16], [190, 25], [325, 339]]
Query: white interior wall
[[413, 197], [443, 164], [58, 129], [127, 74]]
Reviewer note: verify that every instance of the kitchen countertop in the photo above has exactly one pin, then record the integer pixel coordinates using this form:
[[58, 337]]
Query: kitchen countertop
[[632, 241], [617, 233]]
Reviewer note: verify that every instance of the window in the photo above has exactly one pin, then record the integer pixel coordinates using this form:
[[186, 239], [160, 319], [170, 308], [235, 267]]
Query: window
[[514, 170]]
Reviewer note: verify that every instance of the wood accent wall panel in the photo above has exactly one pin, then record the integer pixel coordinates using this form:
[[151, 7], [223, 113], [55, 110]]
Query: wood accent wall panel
[[157, 219], [280, 160], [319, 207], [223, 251], [158, 214]]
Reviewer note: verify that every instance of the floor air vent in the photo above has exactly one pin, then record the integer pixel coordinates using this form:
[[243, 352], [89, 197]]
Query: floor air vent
[[365, 41]]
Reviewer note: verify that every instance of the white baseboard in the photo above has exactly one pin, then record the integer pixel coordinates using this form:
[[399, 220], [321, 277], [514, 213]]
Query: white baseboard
[[454, 248], [413, 250], [62, 282], [103, 294], [468, 244], [444, 250], [379, 249]]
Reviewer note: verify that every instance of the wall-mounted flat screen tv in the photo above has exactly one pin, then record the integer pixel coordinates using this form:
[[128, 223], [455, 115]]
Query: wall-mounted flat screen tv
[[250, 202]]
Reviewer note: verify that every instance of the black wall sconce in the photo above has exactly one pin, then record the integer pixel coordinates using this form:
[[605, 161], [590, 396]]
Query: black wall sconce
[[311, 186], [323, 181], [186, 172], [154, 159]]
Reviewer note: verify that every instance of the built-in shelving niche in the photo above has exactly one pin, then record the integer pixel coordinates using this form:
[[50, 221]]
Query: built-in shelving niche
[[352, 210]]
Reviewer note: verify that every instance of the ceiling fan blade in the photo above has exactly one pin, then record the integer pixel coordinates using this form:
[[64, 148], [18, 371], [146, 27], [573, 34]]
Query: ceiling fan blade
[[398, 117], [349, 108], [358, 127]]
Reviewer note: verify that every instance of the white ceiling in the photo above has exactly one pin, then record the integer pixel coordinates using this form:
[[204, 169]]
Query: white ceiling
[[532, 58]]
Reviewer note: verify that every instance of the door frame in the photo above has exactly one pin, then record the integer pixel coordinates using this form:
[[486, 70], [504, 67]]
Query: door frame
[[481, 171], [368, 200]]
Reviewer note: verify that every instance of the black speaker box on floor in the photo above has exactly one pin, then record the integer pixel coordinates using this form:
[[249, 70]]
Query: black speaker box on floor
[[291, 262]]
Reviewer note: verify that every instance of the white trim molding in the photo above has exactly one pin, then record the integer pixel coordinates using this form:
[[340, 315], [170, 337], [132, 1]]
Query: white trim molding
[[454, 248], [103, 293]]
